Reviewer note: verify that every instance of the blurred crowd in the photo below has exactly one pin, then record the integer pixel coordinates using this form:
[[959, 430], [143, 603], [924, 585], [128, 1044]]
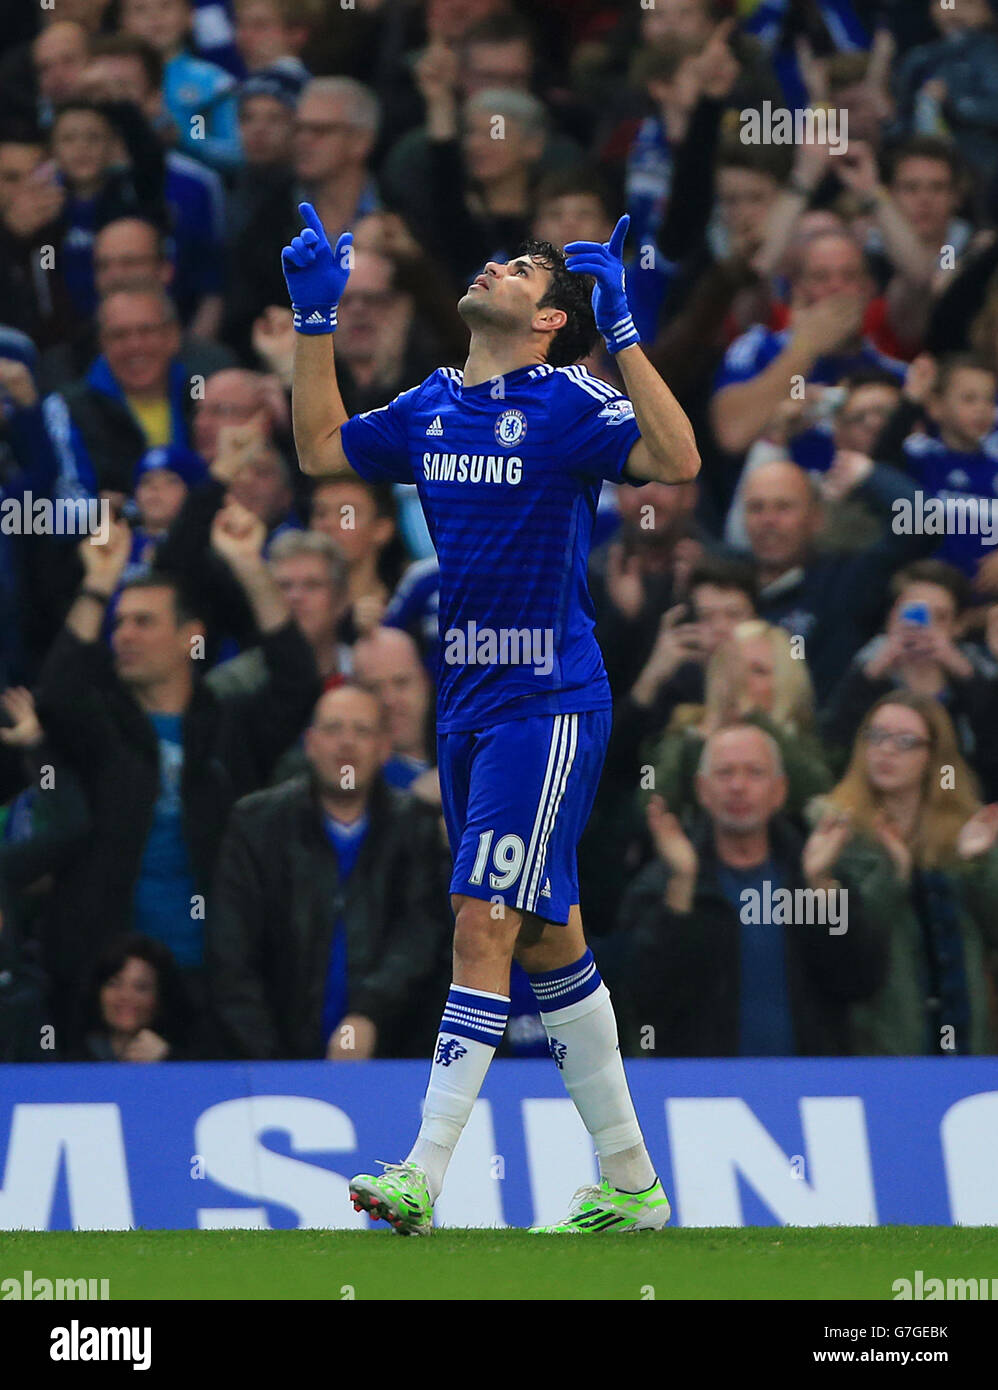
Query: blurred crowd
[[804, 657]]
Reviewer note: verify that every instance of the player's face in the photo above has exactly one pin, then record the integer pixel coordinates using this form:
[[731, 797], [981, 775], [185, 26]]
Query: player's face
[[505, 296], [346, 745], [741, 790]]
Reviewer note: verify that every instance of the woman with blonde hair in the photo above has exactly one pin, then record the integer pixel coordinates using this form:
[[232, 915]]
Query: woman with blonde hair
[[905, 834], [753, 677]]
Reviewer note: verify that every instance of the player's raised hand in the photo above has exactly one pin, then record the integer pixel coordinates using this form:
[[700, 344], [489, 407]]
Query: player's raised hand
[[316, 273], [605, 261]]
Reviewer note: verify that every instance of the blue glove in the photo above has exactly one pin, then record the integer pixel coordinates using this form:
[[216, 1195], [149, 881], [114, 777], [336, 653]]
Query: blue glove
[[604, 260], [316, 275]]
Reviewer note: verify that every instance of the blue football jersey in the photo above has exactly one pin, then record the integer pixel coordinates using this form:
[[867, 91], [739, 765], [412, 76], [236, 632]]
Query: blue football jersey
[[509, 475], [950, 476]]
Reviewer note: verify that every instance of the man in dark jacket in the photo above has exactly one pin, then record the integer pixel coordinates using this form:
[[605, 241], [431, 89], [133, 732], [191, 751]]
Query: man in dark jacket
[[162, 759], [329, 930], [733, 952], [136, 395]]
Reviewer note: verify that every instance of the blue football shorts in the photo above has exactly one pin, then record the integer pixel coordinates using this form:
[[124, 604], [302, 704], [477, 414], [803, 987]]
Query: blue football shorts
[[516, 799]]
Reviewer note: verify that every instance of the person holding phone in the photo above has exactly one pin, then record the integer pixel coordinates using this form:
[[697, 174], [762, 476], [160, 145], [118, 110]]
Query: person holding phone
[[920, 651]]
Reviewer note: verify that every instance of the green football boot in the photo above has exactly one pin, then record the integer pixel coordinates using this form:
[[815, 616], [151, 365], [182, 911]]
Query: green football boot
[[603, 1208], [399, 1195]]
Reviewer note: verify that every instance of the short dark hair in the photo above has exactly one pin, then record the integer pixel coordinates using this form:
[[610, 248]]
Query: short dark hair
[[955, 362], [183, 609], [579, 180], [130, 46], [172, 1018], [936, 572], [870, 376], [723, 572], [571, 292], [929, 147]]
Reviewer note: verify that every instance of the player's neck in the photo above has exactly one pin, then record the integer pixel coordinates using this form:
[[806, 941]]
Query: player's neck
[[489, 358]]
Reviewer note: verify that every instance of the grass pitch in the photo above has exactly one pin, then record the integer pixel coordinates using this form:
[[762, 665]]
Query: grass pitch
[[686, 1263]]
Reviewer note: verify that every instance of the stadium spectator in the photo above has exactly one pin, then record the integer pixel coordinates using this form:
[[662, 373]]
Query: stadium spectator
[[271, 36], [480, 185], [352, 962], [311, 573], [752, 677], [84, 145], [266, 129], [136, 1009], [905, 834], [137, 393], [242, 403], [713, 970], [919, 651], [855, 416], [60, 55], [825, 343], [198, 95], [335, 130], [386, 661], [162, 759], [498, 51], [31, 204], [951, 81], [127, 252], [721, 593], [643, 571], [125, 68], [831, 601], [360, 518], [161, 483]]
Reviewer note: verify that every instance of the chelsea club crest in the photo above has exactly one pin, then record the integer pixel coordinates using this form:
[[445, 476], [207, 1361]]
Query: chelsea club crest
[[511, 426]]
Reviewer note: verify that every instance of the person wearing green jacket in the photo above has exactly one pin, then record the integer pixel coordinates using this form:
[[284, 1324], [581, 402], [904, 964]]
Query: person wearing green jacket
[[905, 834]]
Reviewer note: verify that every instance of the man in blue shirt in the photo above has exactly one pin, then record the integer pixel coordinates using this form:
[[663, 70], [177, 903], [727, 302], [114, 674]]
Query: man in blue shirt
[[508, 457]]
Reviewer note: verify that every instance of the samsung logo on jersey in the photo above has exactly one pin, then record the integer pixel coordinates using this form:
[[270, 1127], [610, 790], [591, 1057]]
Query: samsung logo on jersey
[[472, 468]]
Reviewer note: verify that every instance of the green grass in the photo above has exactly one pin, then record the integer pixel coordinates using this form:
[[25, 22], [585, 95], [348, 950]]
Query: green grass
[[746, 1263]]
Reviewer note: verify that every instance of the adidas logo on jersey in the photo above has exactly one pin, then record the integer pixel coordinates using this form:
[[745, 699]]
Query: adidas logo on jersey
[[317, 317], [546, 890], [436, 428]]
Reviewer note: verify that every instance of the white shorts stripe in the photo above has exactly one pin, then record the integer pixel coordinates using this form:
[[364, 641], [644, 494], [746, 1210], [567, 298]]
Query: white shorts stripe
[[566, 760], [549, 778]]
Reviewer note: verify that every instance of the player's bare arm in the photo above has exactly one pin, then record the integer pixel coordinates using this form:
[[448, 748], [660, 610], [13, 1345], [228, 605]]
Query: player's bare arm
[[316, 275], [667, 450]]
